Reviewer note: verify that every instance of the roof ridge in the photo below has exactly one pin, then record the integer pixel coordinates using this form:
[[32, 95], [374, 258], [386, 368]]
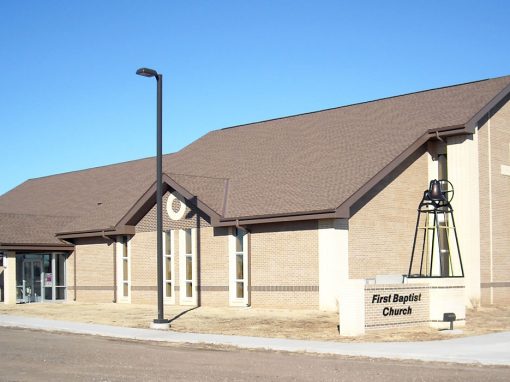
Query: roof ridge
[[196, 176], [357, 103]]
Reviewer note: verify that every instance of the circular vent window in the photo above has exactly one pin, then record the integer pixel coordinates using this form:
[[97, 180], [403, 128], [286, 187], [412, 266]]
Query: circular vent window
[[175, 207]]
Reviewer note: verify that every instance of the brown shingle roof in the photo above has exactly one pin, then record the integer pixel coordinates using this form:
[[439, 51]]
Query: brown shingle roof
[[308, 162], [30, 229]]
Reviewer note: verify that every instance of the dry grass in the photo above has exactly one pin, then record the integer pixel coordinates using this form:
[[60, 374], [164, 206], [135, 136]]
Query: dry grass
[[282, 323]]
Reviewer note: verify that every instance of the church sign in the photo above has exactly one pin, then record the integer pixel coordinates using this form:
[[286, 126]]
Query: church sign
[[396, 305]]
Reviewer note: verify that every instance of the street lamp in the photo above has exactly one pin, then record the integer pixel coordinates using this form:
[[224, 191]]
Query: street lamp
[[160, 322]]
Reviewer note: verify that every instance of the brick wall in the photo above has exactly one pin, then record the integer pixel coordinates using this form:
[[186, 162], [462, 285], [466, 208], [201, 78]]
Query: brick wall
[[213, 267], [495, 260], [95, 273], [381, 232], [212, 257], [213, 263], [285, 265], [143, 268]]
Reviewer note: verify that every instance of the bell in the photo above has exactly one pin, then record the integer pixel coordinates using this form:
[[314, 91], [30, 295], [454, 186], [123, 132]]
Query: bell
[[435, 190]]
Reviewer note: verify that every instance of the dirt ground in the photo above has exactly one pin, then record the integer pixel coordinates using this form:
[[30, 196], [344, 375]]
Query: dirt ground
[[282, 323]]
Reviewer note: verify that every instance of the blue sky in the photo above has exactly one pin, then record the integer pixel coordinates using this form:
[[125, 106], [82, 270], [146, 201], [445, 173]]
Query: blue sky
[[70, 99]]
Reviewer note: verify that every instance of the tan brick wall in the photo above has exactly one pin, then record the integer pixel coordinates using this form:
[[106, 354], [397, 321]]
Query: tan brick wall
[[381, 232], [143, 268], [499, 196], [483, 160], [94, 276], [284, 264], [213, 267]]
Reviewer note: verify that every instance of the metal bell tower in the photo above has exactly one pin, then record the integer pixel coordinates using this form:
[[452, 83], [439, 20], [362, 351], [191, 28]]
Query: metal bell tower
[[436, 251]]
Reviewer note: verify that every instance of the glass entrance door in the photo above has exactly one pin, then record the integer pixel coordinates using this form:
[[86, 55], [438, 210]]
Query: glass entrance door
[[32, 280], [40, 277]]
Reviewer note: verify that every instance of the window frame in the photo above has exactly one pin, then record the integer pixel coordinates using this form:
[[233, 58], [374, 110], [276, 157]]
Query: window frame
[[171, 255], [233, 279], [123, 242], [183, 256]]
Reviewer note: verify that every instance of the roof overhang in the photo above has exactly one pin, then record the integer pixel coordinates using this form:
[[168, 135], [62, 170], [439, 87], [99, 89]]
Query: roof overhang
[[502, 97], [248, 220], [36, 247], [105, 232]]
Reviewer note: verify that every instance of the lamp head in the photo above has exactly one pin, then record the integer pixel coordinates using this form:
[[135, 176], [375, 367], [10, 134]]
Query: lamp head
[[146, 72]]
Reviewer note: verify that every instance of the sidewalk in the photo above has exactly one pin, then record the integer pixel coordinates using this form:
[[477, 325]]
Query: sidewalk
[[489, 349]]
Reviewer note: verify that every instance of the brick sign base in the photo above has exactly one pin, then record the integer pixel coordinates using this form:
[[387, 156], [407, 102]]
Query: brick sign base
[[412, 303]]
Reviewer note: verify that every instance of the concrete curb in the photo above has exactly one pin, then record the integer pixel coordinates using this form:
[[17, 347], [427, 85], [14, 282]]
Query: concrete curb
[[490, 349]]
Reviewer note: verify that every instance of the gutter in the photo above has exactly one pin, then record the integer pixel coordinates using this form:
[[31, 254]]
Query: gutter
[[242, 221], [36, 247], [122, 230]]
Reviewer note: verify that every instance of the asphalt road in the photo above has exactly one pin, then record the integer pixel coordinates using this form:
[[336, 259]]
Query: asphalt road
[[42, 356]]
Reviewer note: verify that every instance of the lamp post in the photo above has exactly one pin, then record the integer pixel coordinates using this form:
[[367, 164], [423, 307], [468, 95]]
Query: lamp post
[[160, 322]]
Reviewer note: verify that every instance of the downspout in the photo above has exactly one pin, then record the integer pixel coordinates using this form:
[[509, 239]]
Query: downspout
[[115, 272], [249, 268]]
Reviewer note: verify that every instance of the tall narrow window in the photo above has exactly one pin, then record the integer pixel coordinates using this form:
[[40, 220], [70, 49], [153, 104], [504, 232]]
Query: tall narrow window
[[189, 263], [168, 266], [239, 263], [125, 267], [239, 268], [187, 267], [59, 276]]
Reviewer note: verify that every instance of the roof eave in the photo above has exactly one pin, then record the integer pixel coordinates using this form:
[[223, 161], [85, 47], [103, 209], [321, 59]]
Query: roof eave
[[117, 231], [275, 218], [501, 97], [31, 247]]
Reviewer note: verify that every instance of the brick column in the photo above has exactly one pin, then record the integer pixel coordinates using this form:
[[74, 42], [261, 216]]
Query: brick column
[[333, 260], [10, 278], [464, 174]]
